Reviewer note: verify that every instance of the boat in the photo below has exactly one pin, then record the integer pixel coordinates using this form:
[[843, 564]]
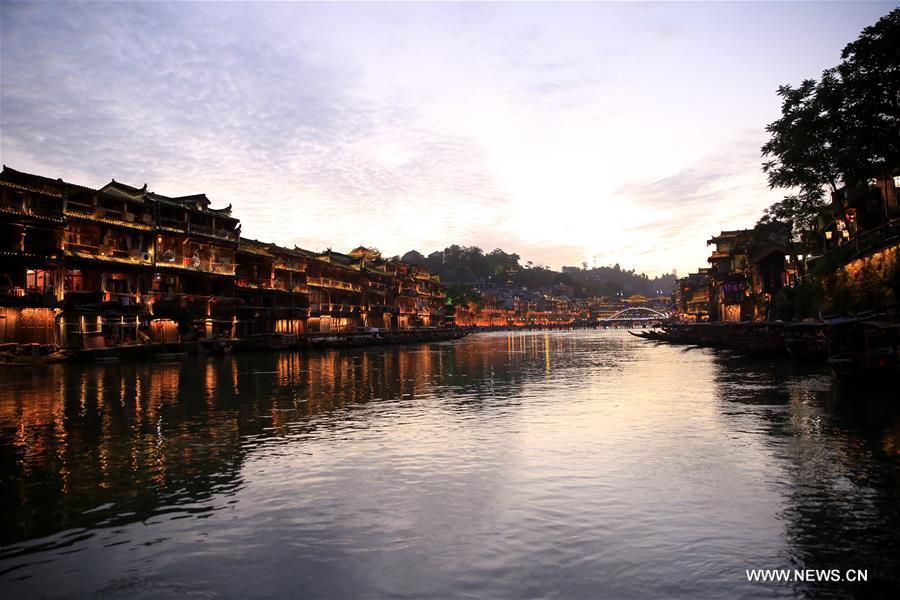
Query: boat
[[807, 339], [221, 345], [864, 350], [759, 338], [647, 335]]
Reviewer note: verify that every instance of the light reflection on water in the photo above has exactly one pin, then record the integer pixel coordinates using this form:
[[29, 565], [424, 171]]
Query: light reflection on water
[[572, 464]]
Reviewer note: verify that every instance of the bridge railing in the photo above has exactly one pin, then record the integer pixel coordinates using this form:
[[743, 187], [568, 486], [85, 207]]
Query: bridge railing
[[637, 314]]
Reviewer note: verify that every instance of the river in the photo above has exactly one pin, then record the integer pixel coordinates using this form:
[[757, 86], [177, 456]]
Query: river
[[570, 464]]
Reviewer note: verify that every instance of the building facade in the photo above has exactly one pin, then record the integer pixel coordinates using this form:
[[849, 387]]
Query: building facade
[[87, 268]]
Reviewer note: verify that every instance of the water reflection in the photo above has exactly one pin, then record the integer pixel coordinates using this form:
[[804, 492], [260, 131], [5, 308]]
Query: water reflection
[[82, 443], [836, 449], [530, 464]]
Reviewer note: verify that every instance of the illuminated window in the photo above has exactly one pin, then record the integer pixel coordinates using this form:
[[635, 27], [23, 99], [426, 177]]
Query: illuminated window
[[37, 280], [74, 281]]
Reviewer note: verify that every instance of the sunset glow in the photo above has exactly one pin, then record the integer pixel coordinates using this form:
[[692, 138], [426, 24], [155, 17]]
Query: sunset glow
[[563, 132]]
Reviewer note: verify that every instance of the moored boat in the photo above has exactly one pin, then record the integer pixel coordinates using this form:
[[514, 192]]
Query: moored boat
[[862, 350], [806, 340]]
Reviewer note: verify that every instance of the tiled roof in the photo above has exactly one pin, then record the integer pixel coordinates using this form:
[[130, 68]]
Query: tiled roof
[[9, 173], [23, 254], [187, 202], [25, 188], [104, 258], [254, 247], [108, 221], [25, 213]]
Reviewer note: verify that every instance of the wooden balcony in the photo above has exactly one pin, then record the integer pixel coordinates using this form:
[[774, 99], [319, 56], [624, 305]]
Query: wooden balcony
[[20, 208], [382, 308], [333, 283], [26, 298], [175, 224], [177, 261], [196, 229], [125, 220], [107, 254], [330, 308], [255, 284], [294, 289], [293, 267]]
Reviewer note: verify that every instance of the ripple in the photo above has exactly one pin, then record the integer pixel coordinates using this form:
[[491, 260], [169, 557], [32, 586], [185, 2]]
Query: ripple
[[569, 464]]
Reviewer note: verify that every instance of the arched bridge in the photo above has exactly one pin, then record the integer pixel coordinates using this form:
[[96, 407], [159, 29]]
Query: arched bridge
[[636, 314]]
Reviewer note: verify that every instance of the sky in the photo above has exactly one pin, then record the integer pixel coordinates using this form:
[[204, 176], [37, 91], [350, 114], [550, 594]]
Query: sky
[[566, 132]]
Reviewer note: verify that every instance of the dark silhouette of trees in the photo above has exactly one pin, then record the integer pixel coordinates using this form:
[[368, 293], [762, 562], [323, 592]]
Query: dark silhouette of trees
[[837, 131], [414, 258], [870, 78], [460, 267]]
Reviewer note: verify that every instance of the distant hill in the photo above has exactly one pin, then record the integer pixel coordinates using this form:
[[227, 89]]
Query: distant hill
[[625, 280], [470, 265]]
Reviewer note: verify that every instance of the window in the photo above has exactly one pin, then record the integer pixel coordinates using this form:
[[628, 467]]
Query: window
[[36, 280], [74, 281]]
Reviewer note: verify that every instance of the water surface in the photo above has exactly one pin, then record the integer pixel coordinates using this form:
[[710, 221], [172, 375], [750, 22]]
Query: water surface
[[568, 464]]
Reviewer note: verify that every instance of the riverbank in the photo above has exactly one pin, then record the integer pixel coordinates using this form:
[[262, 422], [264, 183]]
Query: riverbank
[[637, 324], [857, 349], [12, 355]]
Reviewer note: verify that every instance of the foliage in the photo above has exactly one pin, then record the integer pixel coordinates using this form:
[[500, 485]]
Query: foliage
[[804, 144], [837, 131], [870, 78], [799, 302], [797, 217], [463, 294], [462, 266], [414, 258], [869, 282]]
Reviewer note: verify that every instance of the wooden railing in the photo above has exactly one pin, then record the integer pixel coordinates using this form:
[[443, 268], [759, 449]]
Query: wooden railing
[[190, 228], [206, 266], [877, 236], [17, 296], [201, 265], [333, 283], [265, 284], [334, 308], [101, 252], [21, 208], [286, 266], [126, 299]]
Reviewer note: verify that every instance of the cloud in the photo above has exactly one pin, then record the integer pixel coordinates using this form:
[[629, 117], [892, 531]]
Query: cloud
[[201, 98], [561, 132], [723, 190]]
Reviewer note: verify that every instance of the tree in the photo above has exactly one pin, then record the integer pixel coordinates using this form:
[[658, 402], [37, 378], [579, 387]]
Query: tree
[[414, 257], [838, 131], [870, 77], [797, 214], [804, 146], [435, 262]]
